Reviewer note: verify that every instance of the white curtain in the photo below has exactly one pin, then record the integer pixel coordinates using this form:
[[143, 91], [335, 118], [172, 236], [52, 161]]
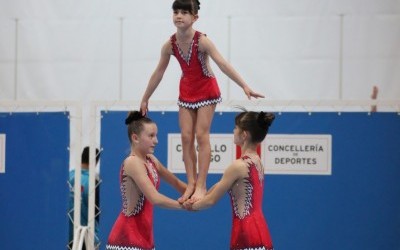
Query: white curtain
[[292, 49]]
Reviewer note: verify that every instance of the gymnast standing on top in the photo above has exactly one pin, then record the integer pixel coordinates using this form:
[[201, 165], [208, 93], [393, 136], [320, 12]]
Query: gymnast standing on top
[[198, 91]]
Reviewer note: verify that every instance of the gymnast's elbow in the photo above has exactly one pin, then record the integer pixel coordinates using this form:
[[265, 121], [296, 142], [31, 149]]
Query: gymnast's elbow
[[208, 202]]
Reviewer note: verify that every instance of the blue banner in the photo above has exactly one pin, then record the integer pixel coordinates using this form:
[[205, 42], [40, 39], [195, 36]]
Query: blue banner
[[355, 207]]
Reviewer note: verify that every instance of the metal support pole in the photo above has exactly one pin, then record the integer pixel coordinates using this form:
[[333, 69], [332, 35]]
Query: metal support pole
[[16, 60], [228, 81], [121, 56], [92, 177], [77, 161], [341, 56]]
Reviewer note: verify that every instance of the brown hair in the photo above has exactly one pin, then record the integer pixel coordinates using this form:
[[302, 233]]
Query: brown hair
[[135, 121], [256, 123], [192, 6]]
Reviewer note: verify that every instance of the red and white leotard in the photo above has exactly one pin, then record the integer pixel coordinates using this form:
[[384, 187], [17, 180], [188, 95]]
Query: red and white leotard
[[198, 87], [249, 228], [133, 229]]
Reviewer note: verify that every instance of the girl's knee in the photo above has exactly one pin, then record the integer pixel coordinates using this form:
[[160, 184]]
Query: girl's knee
[[203, 139], [187, 138]]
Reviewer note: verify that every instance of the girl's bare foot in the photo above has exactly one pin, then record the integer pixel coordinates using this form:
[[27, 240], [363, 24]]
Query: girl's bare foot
[[198, 194], [187, 194]]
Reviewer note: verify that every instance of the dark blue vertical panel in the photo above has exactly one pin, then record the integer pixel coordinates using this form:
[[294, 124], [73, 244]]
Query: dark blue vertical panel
[[357, 207], [33, 190]]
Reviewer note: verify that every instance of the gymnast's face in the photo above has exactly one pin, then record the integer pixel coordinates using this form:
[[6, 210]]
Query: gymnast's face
[[183, 18], [147, 139]]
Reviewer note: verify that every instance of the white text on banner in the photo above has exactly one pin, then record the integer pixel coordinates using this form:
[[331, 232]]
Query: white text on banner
[[298, 154], [222, 153]]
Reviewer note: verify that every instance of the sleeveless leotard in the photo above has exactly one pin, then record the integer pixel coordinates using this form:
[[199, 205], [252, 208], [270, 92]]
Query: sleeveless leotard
[[133, 229], [249, 228], [198, 87]]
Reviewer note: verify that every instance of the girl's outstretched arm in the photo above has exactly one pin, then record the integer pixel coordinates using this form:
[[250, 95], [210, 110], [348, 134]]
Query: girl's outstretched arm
[[135, 169], [234, 172], [207, 46], [157, 76], [169, 177]]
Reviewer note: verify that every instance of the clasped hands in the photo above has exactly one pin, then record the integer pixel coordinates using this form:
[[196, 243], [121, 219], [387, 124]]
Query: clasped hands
[[188, 205]]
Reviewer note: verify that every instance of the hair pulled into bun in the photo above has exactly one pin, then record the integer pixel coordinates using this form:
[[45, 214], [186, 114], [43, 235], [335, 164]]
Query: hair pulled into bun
[[133, 116], [265, 120]]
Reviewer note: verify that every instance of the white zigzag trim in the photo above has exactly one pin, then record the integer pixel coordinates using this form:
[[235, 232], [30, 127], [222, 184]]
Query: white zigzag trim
[[203, 64], [111, 247], [189, 55], [200, 104], [257, 248]]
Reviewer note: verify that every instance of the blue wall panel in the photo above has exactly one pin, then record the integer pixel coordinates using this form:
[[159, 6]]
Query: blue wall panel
[[357, 207], [33, 190]]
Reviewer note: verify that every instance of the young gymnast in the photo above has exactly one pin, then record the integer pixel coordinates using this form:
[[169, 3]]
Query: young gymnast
[[244, 180], [139, 180], [198, 91]]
